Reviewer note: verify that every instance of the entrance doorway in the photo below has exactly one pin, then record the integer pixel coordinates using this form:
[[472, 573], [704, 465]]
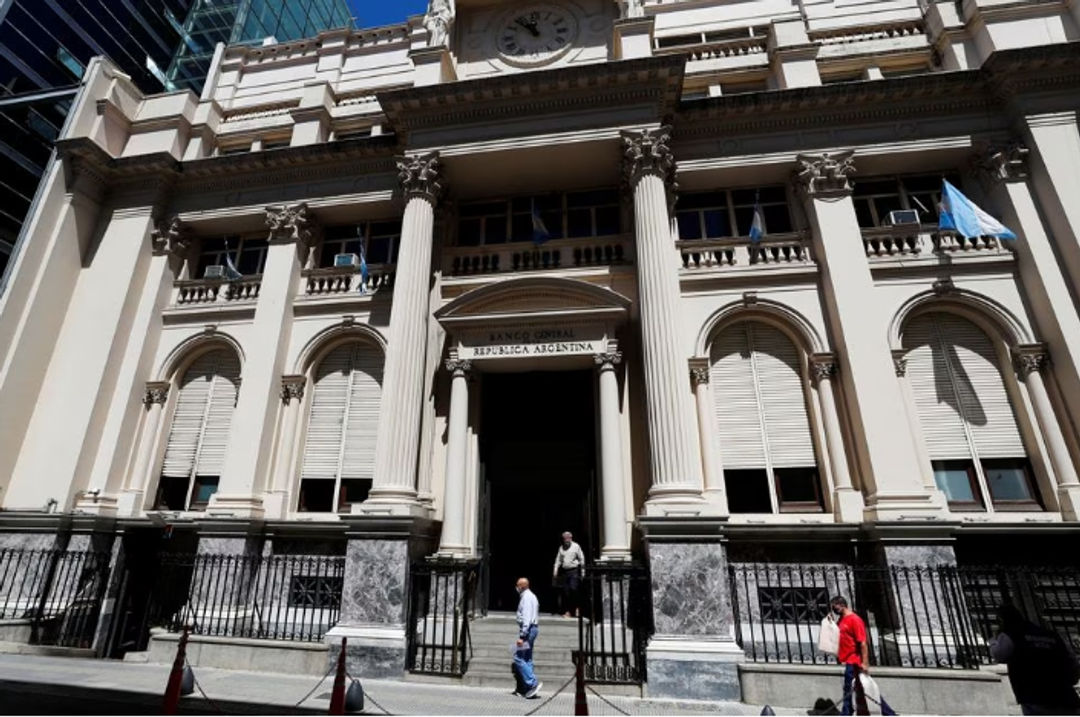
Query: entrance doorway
[[538, 457]]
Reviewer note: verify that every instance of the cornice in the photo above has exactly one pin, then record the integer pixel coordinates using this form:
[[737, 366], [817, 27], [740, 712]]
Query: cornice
[[652, 80]]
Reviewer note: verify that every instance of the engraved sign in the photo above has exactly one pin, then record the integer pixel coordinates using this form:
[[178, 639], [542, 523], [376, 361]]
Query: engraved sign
[[532, 341]]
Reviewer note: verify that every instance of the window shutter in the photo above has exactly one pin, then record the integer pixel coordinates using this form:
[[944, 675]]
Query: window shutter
[[221, 404], [326, 422], [187, 421], [783, 398], [735, 400], [362, 423], [936, 402]]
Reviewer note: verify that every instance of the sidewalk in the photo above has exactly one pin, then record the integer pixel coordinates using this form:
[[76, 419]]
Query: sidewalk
[[63, 678]]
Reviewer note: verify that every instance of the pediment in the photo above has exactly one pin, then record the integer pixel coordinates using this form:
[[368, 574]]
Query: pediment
[[534, 297]]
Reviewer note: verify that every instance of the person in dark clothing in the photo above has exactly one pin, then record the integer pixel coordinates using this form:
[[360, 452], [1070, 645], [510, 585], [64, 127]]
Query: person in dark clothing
[[1043, 670]]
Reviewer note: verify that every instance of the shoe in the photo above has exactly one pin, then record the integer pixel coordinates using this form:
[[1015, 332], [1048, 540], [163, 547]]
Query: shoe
[[534, 692]]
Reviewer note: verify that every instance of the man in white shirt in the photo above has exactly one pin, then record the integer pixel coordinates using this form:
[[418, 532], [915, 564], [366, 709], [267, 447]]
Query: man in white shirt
[[528, 613], [569, 562]]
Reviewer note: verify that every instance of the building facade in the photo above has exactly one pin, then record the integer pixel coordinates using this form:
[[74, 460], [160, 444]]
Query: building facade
[[431, 294]]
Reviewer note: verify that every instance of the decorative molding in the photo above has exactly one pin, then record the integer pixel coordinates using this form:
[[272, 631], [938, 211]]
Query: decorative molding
[[168, 237], [292, 387], [944, 286], [293, 223], [458, 367], [899, 360], [699, 370], [1029, 358], [749, 298], [648, 152], [421, 175], [823, 367], [1006, 162], [156, 392], [608, 359], [827, 174]]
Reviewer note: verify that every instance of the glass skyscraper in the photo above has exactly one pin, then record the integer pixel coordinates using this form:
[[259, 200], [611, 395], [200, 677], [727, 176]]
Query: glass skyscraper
[[246, 21]]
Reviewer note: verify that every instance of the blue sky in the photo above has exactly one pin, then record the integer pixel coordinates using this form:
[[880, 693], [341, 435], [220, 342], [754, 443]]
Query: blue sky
[[371, 13]]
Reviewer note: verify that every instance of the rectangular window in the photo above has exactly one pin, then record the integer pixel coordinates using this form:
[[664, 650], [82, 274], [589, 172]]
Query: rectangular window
[[379, 241], [1010, 483], [957, 480], [875, 198], [316, 495], [204, 488], [730, 213], [748, 491], [248, 254], [798, 490], [353, 490], [171, 494], [572, 215]]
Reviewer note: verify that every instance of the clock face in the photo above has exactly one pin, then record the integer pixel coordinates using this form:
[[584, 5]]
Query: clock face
[[535, 34]]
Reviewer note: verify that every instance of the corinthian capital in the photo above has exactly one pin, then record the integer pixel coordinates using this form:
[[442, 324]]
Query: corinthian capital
[[648, 152], [823, 367], [168, 237], [292, 388], [825, 174], [291, 224], [1029, 359], [421, 175], [458, 367], [1005, 163], [156, 392]]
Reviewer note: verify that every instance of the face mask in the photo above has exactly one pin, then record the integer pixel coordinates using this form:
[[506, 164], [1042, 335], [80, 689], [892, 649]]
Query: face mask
[[518, 590], [566, 543], [838, 611]]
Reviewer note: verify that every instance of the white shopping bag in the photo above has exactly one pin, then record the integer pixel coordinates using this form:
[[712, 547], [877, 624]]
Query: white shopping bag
[[874, 701], [829, 637]]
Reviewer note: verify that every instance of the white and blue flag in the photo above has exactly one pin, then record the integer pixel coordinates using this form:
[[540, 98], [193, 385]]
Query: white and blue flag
[[540, 230], [363, 270], [231, 272], [963, 216], [757, 226]]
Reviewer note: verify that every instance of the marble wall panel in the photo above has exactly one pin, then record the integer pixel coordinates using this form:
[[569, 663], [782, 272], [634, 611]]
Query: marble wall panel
[[375, 583], [690, 589], [694, 680]]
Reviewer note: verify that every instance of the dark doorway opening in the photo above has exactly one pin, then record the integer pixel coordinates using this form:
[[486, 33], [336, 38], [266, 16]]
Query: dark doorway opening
[[538, 452]]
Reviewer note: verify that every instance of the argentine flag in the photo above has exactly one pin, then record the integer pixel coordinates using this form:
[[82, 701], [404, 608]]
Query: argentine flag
[[540, 230], [963, 216], [363, 270], [757, 227], [231, 272]]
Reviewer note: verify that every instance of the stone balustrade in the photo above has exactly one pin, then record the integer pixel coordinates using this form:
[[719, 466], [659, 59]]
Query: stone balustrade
[[557, 254], [864, 33], [777, 250], [208, 291], [883, 243], [342, 280]]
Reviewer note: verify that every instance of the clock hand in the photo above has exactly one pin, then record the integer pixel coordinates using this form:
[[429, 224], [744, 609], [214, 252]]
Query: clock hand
[[529, 25]]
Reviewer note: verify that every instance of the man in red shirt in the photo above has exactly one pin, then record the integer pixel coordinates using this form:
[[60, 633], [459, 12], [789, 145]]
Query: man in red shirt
[[853, 654]]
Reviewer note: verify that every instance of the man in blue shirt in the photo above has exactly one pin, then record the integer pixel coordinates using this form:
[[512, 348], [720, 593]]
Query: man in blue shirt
[[528, 612]]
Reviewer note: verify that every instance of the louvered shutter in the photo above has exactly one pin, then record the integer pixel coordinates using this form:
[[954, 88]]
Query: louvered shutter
[[326, 422], [783, 401], [936, 400], [221, 404], [362, 422], [188, 418], [738, 413]]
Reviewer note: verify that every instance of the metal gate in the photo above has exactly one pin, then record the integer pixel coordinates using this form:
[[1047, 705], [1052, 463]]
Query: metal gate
[[442, 601], [615, 623]]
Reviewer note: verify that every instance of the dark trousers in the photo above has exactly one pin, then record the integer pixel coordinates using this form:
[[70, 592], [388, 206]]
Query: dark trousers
[[570, 582], [852, 685]]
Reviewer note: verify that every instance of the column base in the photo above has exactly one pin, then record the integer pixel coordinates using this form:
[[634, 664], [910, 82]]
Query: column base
[[371, 652], [244, 507], [129, 504], [717, 500], [904, 506], [676, 501], [615, 555], [275, 504], [695, 668], [848, 506], [386, 507], [102, 504], [453, 552], [1069, 501]]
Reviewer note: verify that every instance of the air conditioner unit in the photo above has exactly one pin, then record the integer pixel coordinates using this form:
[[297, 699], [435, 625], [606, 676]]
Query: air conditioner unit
[[214, 271], [903, 216], [346, 260]]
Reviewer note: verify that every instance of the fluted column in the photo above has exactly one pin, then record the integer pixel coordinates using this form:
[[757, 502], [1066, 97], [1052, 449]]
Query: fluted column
[[1031, 360], [398, 446], [154, 397], [847, 502], [453, 541], [292, 397], [616, 542], [712, 465], [649, 169]]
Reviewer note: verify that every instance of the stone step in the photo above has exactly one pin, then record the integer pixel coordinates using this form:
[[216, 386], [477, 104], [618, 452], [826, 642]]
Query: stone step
[[503, 651], [493, 664], [506, 681]]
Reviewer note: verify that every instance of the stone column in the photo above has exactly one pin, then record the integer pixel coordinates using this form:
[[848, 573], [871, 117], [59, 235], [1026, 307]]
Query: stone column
[[649, 169], [1031, 361], [292, 232], [1046, 287], [712, 466], [847, 502], [132, 498], [397, 448], [887, 459], [453, 542], [616, 543], [292, 398]]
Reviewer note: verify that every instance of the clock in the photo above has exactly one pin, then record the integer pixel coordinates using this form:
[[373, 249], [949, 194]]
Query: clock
[[535, 34]]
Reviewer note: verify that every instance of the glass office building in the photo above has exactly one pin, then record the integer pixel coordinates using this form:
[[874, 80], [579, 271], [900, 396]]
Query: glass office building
[[246, 21]]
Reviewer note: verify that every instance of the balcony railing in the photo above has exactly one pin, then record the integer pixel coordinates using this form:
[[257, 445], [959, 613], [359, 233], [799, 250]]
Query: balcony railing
[[208, 291], [343, 280], [790, 249], [883, 243], [557, 254]]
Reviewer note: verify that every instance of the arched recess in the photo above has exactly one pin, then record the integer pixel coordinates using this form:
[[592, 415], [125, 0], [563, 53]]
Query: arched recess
[[190, 348], [991, 316], [781, 316], [340, 409], [326, 339], [973, 421], [762, 410]]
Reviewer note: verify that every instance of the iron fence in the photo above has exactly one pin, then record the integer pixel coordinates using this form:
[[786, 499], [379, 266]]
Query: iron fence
[[270, 597], [58, 593], [442, 601], [615, 623]]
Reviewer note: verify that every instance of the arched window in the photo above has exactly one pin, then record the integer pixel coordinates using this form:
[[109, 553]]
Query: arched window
[[199, 434], [762, 423], [967, 418], [339, 448]]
